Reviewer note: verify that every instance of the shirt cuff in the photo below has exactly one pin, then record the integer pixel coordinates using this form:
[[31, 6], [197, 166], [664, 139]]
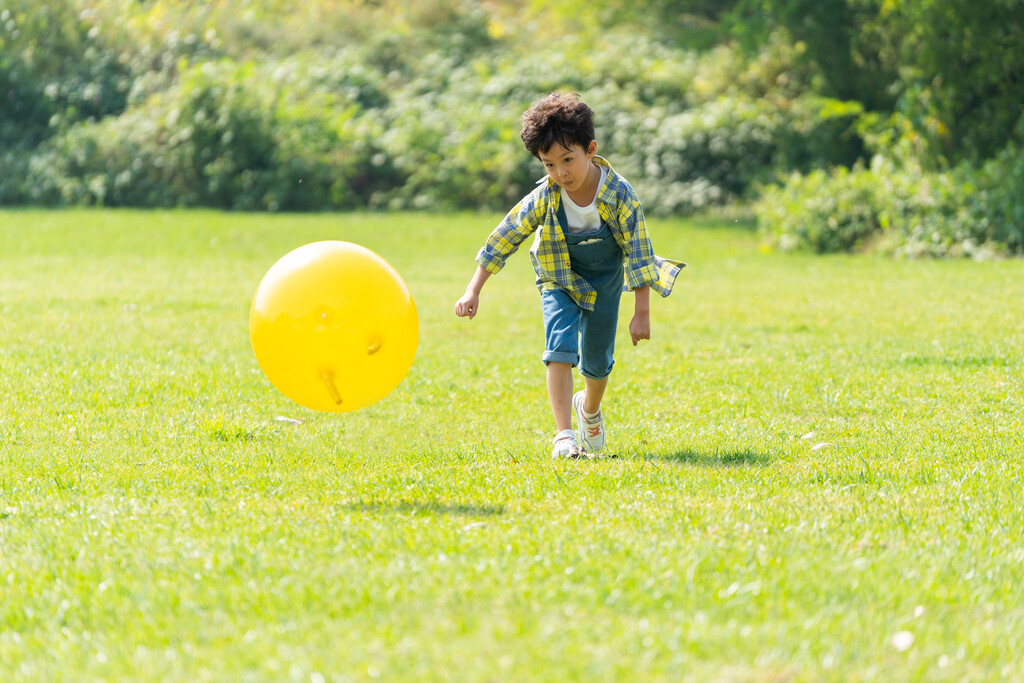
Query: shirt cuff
[[492, 263]]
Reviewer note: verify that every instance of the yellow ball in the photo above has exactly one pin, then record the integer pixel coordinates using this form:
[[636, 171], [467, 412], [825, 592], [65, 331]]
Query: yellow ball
[[333, 326]]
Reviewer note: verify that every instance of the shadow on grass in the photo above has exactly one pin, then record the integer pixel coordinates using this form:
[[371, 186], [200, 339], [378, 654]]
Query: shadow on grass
[[429, 507], [715, 459]]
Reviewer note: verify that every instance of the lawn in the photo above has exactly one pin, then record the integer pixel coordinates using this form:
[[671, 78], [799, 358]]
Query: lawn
[[820, 473]]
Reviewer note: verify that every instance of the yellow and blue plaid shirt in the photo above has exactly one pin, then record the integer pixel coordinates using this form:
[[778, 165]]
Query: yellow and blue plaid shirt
[[537, 213]]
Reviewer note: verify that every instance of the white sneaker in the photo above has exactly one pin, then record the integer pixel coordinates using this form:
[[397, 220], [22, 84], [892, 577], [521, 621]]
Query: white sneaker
[[591, 431], [565, 445]]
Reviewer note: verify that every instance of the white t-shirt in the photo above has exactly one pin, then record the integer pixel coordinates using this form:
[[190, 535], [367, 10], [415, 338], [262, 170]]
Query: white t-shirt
[[583, 218]]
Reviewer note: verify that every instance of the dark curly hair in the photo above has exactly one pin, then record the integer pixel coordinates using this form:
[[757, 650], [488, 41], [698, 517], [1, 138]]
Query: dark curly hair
[[557, 118]]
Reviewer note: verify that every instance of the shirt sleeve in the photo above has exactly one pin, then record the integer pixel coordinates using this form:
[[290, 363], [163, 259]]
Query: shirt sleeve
[[521, 222], [641, 269]]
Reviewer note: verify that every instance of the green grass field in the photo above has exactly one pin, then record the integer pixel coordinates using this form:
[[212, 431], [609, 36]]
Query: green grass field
[[820, 477]]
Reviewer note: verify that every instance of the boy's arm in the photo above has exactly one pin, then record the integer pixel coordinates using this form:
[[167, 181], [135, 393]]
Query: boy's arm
[[521, 222], [469, 304], [503, 241], [640, 325]]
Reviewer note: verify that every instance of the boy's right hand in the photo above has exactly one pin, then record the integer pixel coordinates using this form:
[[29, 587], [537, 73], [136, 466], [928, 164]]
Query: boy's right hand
[[468, 305]]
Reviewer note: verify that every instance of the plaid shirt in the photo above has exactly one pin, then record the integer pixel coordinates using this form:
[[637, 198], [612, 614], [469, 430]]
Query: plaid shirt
[[619, 208]]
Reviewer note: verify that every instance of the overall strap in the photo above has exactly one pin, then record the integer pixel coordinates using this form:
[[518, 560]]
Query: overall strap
[[562, 220]]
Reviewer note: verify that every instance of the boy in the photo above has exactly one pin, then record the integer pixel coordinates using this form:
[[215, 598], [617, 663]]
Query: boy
[[590, 239]]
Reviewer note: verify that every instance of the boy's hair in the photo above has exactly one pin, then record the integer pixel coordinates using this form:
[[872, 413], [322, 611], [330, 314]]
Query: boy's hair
[[557, 118]]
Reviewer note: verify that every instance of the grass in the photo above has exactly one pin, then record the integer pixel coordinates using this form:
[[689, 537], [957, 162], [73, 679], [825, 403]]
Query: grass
[[820, 474]]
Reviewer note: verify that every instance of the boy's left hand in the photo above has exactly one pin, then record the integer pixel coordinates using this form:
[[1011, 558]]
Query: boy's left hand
[[640, 327]]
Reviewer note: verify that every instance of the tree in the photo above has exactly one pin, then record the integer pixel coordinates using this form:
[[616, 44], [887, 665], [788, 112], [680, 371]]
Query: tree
[[953, 68]]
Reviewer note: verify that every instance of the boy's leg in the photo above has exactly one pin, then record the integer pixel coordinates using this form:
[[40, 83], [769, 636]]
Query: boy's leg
[[597, 348], [594, 394], [561, 354], [586, 404], [559, 381]]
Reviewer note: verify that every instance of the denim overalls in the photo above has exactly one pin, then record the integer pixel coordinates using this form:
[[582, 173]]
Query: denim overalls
[[575, 335]]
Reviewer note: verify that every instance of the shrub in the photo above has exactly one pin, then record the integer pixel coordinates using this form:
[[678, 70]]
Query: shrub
[[387, 105], [902, 210], [14, 163], [819, 211], [997, 208], [280, 135], [720, 151], [57, 65]]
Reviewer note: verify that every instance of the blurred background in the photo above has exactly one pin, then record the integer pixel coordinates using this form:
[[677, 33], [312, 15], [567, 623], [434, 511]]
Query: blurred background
[[836, 125]]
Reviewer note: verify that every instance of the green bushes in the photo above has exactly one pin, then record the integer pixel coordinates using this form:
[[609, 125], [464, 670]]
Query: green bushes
[[951, 67], [968, 211], [370, 124], [940, 86], [690, 131], [715, 153], [55, 67], [823, 212], [283, 135], [997, 208], [343, 104]]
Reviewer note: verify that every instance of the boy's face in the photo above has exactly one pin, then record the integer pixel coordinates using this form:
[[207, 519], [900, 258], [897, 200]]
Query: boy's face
[[569, 167]]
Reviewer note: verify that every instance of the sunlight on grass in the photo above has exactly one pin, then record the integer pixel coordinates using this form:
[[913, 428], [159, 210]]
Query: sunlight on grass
[[819, 473]]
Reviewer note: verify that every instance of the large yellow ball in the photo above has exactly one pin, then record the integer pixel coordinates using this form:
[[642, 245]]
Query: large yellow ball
[[333, 326]]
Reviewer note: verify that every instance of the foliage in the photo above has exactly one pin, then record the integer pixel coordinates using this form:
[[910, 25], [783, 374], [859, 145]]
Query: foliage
[[696, 23], [968, 211], [343, 104], [996, 209], [960, 65], [715, 152], [273, 136], [950, 67], [365, 125], [55, 68], [821, 211], [692, 132], [944, 121], [839, 38]]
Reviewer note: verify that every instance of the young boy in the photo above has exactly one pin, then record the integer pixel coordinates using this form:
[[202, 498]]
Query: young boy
[[590, 239]]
